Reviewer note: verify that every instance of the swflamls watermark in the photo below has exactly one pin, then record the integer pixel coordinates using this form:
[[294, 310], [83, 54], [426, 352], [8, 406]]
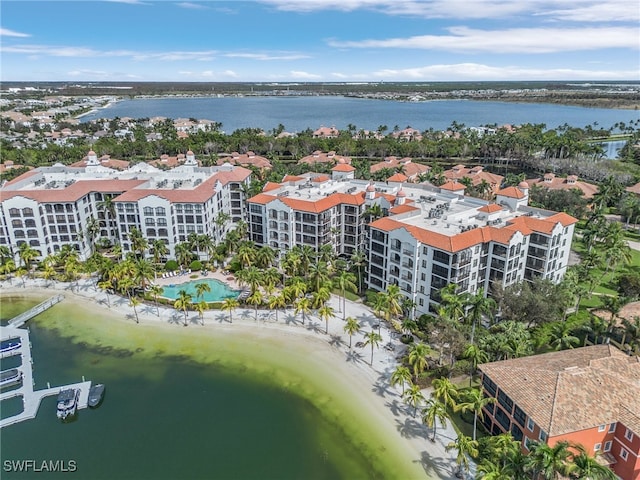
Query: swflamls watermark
[[30, 465]]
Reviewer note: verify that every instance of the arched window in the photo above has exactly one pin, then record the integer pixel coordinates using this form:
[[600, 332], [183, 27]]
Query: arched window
[[151, 232], [27, 212], [148, 210], [160, 211], [16, 223]]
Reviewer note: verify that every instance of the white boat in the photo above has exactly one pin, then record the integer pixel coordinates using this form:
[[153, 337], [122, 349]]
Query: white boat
[[10, 345], [10, 377], [68, 402]]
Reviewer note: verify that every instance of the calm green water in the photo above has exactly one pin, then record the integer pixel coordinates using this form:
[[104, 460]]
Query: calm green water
[[171, 418], [219, 290]]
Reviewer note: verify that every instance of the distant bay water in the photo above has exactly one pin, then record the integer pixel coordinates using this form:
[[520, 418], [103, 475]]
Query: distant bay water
[[302, 112]]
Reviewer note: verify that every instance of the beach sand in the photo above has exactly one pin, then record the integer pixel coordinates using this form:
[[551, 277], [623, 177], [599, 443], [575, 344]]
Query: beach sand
[[301, 358]]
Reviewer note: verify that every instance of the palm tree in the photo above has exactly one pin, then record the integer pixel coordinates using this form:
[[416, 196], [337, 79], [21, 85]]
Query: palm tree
[[478, 305], [474, 401], [183, 302], [418, 353], [413, 396], [465, 447], [476, 356], [106, 285], [277, 302], [326, 312], [358, 260], [445, 391], [393, 301], [256, 299], [435, 412], [562, 337], [27, 254], [587, 467], [303, 305], [134, 302], [345, 281], [351, 327], [401, 376], [265, 257], [372, 338], [156, 290], [200, 307], [229, 304], [201, 289], [546, 462]]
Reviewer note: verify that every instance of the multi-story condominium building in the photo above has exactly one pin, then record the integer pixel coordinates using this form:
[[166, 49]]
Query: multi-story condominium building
[[312, 210], [430, 236], [434, 237], [586, 396], [49, 207]]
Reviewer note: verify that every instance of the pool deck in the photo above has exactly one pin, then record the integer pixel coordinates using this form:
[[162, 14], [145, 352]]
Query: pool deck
[[228, 278]]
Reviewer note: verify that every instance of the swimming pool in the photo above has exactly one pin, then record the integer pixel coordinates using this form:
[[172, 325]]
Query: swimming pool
[[219, 290]]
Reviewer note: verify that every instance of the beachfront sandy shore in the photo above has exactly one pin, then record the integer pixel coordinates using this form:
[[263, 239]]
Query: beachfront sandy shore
[[348, 372]]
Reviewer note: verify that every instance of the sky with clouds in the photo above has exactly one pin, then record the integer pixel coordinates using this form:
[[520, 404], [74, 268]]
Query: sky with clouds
[[319, 40]]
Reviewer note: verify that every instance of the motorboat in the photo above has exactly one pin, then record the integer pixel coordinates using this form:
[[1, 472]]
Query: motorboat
[[10, 377], [96, 394], [68, 402], [10, 345]]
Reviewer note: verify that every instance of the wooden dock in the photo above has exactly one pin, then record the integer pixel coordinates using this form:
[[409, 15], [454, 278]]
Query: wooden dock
[[31, 398], [20, 320]]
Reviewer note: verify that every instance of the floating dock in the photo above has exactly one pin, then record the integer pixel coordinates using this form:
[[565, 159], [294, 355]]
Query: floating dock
[[31, 398]]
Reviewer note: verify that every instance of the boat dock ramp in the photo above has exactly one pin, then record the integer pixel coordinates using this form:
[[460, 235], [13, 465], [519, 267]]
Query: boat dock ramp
[[18, 338], [21, 319]]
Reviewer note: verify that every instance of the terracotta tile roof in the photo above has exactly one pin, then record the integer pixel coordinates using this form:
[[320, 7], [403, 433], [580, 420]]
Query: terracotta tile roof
[[452, 186], [490, 208], [244, 159], [402, 209], [574, 389], [105, 161], [409, 168], [453, 243], [312, 206], [476, 174], [75, 191], [199, 194], [511, 192], [291, 178], [552, 182], [270, 186], [343, 167], [321, 179], [397, 177], [321, 157]]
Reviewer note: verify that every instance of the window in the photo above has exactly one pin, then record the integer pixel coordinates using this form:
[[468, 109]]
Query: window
[[607, 446], [542, 436], [628, 434], [612, 427], [623, 453], [530, 425], [602, 428], [597, 447], [527, 443]]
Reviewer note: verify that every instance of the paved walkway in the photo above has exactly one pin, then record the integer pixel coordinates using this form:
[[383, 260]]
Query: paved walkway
[[437, 462]]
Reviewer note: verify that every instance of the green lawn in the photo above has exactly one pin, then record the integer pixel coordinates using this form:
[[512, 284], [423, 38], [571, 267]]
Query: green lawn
[[607, 285]]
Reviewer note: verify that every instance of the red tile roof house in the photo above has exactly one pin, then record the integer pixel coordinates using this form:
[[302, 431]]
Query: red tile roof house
[[321, 157], [476, 174], [588, 396], [326, 132], [550, 181], [244, 160], [410, 169]]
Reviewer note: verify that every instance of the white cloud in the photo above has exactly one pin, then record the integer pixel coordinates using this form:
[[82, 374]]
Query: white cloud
[[262, 56], [5, 32], [298, 75], [517, 40], [474, 71], [573, 10], [192, 6]]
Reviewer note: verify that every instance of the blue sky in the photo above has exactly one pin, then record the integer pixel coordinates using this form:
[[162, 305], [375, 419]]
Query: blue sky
[[319, 40]]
